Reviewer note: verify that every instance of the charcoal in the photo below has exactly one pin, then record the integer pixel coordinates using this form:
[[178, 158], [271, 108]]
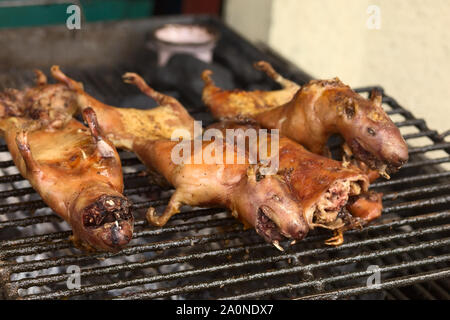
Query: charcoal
[[233, 59], [189, 70], [268, 83], [141, 101], [138, 101], [155, 74], [164, 77], [183, 72]]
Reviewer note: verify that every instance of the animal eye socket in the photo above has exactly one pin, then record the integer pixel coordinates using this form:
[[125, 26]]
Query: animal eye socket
[[371, 131], [275, 197], [259, 176]]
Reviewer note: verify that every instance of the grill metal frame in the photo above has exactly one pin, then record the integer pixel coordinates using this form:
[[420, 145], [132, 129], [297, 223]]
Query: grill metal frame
[[205, 253]]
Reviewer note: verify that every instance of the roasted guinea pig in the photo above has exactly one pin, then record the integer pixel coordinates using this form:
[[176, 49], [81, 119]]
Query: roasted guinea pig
[[267, 205], [52, 104], [124, 126], [310, 114], [331, 196], [78, 174], [262, 202]]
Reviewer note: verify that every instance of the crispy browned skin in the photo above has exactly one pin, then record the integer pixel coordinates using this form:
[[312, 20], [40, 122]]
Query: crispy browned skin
[[245, 104], [267, 205], [78, 174], [324, 187], [124, 126], [315, 112], [52, 104], [204, 185], [263, 202]]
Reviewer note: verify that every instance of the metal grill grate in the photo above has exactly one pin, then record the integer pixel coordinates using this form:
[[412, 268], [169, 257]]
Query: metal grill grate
[[205, 253]]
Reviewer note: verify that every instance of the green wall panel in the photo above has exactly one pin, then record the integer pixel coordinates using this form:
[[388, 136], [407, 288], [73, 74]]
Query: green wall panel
[[94, 10]]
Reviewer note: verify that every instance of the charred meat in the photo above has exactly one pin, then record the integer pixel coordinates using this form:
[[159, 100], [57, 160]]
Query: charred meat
[[51, 104]]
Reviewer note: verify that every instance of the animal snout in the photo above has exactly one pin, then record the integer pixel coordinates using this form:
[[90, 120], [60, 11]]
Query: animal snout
[[298, 230], [117, 234], [395, 154]]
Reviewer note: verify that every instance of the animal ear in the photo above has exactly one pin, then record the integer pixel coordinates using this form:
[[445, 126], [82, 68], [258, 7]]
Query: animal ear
[[347, 108], [254, 171], [350, 108], [376, 97], [251, 172]]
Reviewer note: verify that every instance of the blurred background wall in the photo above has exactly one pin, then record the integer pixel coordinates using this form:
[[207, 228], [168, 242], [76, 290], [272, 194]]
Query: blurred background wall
[[409, 55]]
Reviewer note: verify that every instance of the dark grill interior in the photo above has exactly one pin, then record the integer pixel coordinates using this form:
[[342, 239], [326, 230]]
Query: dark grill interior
[[205, 253]]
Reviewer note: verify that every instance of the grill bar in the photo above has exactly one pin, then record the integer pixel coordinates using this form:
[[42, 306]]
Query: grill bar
[[99, 271], [66, 244], [280, 272], [189, 241], [36, 265], [398, 282], [361, 289], [422, 177], [328, 263], [138, 234]]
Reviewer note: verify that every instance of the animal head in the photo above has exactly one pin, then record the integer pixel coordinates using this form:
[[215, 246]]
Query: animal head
[[102, 220], [272, 207], [369, 132]]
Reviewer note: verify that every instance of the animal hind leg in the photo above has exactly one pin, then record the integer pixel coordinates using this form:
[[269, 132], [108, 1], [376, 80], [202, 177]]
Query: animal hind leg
[[41, 78], [207, 78], [270, 71], [138, 81], [61, 77], [24, 149], [173, 207]]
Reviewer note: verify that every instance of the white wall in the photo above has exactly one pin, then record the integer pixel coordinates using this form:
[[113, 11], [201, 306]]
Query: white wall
[[252, 18], [409, 55]]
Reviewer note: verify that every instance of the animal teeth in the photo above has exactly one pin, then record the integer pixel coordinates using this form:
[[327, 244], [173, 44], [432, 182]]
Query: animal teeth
[[383, 172], [277, 245]]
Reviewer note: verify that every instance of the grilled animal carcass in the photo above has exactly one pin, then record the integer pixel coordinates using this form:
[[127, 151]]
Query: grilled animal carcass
[[314, 112], [52, 104], [331, 196], [264, 203], [267, 205], [78, 174], [124, 126]]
